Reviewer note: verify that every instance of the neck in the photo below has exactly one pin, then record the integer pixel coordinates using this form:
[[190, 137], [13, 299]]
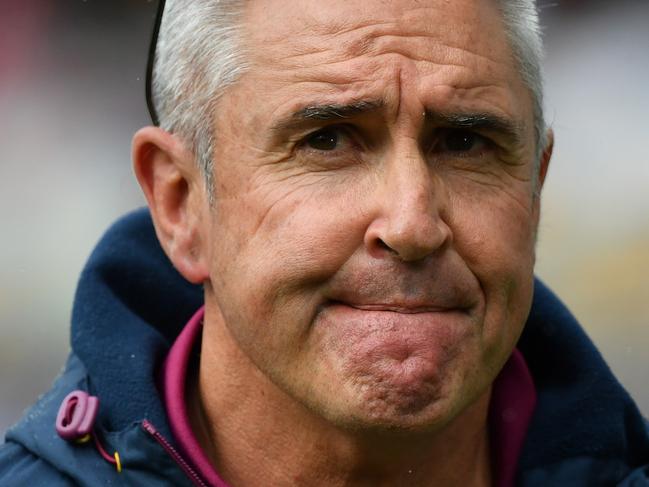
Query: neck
[[250, 430]]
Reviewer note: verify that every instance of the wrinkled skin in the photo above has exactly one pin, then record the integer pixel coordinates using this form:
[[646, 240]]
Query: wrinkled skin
[[382, 283], [367, 274]]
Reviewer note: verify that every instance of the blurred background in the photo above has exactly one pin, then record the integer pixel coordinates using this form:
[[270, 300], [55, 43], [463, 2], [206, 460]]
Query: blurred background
[[72, 95]]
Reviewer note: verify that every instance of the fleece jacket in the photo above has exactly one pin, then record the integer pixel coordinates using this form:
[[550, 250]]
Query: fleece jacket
[[130, 306]]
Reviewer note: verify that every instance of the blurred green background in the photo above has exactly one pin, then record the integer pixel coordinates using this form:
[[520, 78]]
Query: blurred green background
[[71, 96]]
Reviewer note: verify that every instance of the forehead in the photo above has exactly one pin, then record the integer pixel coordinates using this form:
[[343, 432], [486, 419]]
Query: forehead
[[296, 23], [444, 52]]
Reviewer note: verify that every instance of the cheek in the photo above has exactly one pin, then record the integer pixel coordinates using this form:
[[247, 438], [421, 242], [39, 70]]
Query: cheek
[[272, 255], [496, 238]]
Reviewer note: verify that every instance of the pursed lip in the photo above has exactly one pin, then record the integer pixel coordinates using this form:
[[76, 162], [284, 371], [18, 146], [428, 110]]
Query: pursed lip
[[404, 308]]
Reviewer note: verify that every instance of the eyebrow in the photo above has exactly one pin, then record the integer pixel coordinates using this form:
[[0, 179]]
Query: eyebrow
[[480, 121], [326, 112]]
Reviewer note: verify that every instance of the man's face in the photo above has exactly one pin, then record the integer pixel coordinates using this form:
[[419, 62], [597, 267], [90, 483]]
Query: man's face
[[372, 234]]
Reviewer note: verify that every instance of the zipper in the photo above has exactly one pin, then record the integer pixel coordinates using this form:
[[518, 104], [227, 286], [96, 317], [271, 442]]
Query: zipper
[[173, 453]]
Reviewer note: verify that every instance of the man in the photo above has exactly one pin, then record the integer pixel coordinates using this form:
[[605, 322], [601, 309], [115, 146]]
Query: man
[[356, 186]]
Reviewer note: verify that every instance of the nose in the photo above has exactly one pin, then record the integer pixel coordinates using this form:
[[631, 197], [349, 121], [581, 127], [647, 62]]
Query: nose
[[412, 205]]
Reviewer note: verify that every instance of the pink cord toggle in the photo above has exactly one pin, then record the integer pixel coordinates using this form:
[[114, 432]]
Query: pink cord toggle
[[77, 414], [76, 421]]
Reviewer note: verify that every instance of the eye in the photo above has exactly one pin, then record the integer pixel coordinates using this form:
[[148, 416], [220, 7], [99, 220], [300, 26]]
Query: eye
[[460, 141], [326, 139]]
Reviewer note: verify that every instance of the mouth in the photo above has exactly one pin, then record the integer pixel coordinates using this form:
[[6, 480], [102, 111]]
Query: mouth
[[383, 296], [400, 307], [393, 316], [396, 340]]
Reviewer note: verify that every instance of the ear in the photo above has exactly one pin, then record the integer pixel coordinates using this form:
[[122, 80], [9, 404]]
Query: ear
[[175, 192], [544, 164], [545, 160]]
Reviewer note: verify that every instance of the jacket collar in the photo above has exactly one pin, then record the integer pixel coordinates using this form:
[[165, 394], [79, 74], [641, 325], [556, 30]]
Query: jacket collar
[[131, 304]]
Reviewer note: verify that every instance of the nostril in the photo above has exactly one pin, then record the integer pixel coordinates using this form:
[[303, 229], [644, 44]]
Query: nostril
[[382, 245], [408, 240]]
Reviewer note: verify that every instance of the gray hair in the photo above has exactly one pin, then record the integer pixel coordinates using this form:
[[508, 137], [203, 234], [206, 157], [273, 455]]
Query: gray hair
[[196, 58], [521, 20], [199, 55]]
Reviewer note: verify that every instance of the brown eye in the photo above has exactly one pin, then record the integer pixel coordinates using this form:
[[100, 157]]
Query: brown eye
[[324, 140], [460, 141]]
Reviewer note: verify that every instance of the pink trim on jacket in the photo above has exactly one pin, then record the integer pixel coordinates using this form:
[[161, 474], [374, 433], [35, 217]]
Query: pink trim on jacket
[[175, 374], [513, 401]]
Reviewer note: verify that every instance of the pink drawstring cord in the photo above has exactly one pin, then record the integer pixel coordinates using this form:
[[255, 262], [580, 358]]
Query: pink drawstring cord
[[115, 460]]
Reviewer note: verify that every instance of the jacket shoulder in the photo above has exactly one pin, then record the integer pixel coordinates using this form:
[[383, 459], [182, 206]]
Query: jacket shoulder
[[637, 478], [18, 466]]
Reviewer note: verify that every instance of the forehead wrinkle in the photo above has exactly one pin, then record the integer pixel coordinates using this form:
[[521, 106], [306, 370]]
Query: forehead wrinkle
[[447, 97], [349, 36], [465, 68], [320, 43], [344, 86], [352, 56], [417, 47]]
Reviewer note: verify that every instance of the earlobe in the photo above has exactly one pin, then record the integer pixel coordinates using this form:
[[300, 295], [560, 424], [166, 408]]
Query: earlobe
[[173, 189]]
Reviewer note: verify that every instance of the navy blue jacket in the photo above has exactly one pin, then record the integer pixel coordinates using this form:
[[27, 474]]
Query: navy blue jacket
[[130, 305]]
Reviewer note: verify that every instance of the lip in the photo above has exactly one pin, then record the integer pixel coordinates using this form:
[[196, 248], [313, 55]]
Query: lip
[[394, 325], [402, 308], [399, 307], [399, 295]]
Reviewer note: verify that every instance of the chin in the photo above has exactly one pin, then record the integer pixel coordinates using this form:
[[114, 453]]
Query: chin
[[382, 418], [394, 372], [367, 406]]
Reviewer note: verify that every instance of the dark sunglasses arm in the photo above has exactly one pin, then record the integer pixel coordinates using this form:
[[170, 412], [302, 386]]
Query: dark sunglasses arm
[[150, 61]]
